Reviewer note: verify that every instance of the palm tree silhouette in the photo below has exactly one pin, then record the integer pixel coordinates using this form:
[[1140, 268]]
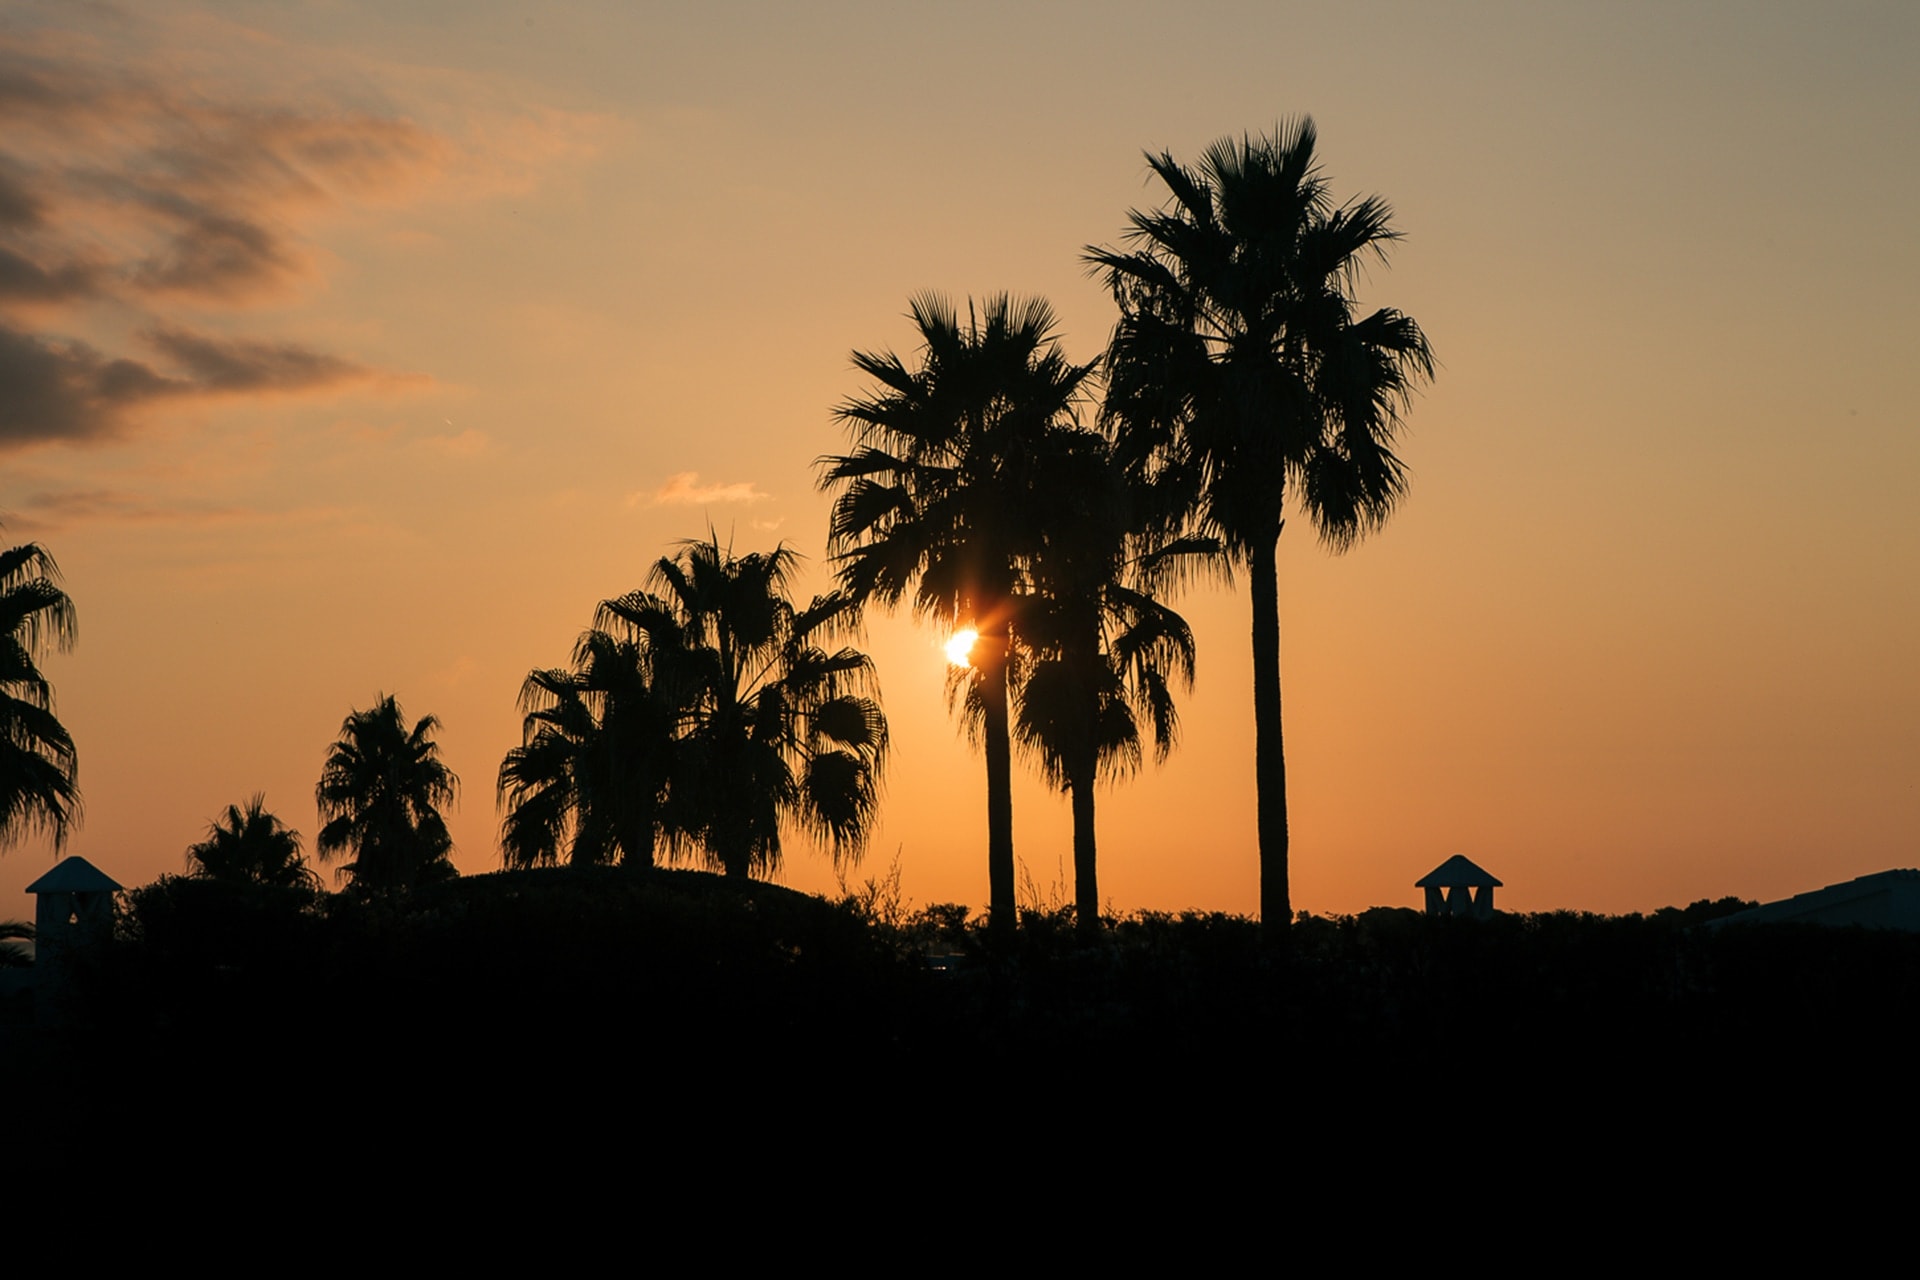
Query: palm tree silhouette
[[1102, 654], [769, 729], [39, 792], [1239, 369], [380, 795], [251, 846], [941, 498], [587, 782]]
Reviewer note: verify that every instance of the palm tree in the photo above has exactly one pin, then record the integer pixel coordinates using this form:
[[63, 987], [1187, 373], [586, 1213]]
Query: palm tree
[[1239, 370], [770, 730], [941, 498], [380, 795], [251, 846], [1102, 653], [587, 782], [39, 792]]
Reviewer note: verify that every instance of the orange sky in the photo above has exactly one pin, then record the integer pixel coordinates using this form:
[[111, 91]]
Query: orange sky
[[437, 328]]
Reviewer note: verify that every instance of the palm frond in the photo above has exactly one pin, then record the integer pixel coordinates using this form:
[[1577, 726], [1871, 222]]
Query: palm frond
[[39, 767]]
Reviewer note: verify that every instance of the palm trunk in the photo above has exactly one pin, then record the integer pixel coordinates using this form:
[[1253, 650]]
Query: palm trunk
[[1269, 758], [1086, 882], [636, 845], [999, 745]]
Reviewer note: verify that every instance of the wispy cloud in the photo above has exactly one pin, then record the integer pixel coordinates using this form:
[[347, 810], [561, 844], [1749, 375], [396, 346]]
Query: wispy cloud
[[240, 364], [131, 188], [66, 390], [685, 490], [57, 509], [121, 181], [52, 390], [24, 280]]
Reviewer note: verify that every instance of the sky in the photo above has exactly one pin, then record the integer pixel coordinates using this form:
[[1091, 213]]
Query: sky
[[350, 349]]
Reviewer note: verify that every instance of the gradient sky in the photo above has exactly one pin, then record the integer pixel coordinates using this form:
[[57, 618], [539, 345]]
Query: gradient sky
[[357, 348]]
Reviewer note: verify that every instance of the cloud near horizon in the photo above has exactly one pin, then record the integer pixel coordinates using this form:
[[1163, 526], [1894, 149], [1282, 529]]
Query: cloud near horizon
[[68, 390], [49, 511], [685, 490]]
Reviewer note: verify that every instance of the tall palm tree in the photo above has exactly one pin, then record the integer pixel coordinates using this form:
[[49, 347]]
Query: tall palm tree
[[1240, 371], [1102, 652], [770, 729], [39, 791], [587, 782], [941, 498], [252, 846], [380, 795]]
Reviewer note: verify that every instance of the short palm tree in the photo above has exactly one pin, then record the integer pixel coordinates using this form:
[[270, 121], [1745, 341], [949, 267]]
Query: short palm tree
[[39, 792], [1103, 654], [251, 846], [380, 795], [587, 782], [1240, 372], [942, 499], [770, 729]]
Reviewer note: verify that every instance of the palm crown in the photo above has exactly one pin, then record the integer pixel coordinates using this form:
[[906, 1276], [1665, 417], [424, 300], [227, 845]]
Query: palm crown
[[251, 846], [1238, 361], [1101, 653], [769, 728], [939, 495], [587, 781], [380, 795]]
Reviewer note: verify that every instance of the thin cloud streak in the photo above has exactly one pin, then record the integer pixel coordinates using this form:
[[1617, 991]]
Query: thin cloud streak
[[48, 511], [55, 390], [52, 510], [240, 364]]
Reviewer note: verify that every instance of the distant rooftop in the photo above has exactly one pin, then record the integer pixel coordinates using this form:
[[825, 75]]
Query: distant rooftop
[[1883, 900], [74, 874], [1454, 872]]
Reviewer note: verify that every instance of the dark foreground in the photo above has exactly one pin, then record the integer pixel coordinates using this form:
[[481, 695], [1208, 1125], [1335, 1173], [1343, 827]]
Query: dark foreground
[[561, 1006]]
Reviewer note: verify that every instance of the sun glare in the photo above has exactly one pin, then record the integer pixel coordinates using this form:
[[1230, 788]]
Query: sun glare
[[960, 648]]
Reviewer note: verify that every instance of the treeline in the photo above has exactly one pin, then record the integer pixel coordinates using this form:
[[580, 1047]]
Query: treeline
[[550, 970]]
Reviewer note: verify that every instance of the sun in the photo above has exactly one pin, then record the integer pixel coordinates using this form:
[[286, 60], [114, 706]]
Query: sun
[[960, 648]]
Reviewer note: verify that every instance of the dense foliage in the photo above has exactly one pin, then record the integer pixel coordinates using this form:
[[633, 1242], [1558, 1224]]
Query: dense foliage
[[705, 712]]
